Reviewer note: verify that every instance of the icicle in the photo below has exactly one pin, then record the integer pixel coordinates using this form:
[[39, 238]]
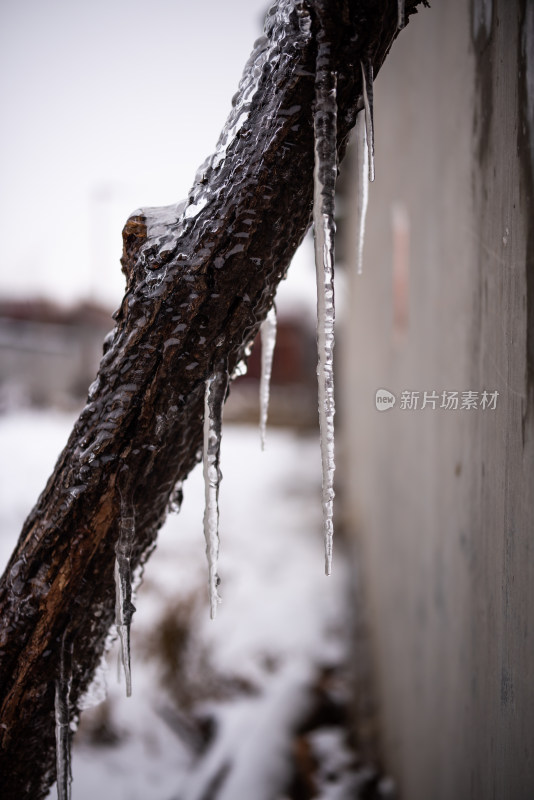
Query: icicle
[[214, 396], [63, 683], [367, 82], [124, 607], [400, 14], [120, 668], [325, 172], [268, 341], [363, 187]]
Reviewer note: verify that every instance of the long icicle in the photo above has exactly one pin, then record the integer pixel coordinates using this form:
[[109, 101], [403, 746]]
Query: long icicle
[[124, 607], [363, 185], [63, 736], [367, 83], [268, 341], [214, 396], [324, 177]]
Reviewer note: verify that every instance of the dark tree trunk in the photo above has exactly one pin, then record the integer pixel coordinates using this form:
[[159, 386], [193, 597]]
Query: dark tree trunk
[[200, 280]]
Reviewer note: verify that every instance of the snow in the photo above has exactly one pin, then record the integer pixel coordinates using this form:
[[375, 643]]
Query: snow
[[24, 478], [255, 737], [325, 171], [268, 342], [250, 670]]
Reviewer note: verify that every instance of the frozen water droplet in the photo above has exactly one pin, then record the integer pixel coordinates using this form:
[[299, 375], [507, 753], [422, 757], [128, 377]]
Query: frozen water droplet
[[505, 237], [214, 397], [268, 341], [93, 388], [63, 734], [363, 185], [177, 497], [367, 82], [325, 172], [240, 369], [124, 607]]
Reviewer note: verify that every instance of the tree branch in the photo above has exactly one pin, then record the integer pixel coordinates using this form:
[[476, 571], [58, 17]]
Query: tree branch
[[201, 277]]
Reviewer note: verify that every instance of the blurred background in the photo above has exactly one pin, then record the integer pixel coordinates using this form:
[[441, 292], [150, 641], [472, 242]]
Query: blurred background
[[409, 672]]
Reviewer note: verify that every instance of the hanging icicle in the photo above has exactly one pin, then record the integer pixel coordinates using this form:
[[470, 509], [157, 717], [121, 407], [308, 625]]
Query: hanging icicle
[[215, 393], [124, 607], [268, 341], [325, 173], [63, 736], [363, 185], [367, 83], [400, 15]]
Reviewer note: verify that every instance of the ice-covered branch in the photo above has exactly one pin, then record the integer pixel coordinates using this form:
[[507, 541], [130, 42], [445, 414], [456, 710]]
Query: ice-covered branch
[[201, 277]]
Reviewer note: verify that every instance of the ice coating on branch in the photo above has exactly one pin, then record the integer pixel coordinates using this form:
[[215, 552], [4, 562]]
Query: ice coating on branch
[[400, 14], [363, 185], [367, 82], [124, 607], [165, 232], [63, 684], [241, 367], [324, 178], [214, 396], [268, 341]]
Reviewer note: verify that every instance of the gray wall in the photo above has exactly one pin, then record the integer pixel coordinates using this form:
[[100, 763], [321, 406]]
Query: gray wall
[[441, 501]]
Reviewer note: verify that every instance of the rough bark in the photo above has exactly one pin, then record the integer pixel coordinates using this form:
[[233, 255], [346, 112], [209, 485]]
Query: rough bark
[[201, 277]]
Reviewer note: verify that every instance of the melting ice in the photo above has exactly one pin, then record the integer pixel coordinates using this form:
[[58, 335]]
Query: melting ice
[[63, 683], [367, 82], [268, 341], [124, 607], [363, 185], [214, 397], [325, 172]]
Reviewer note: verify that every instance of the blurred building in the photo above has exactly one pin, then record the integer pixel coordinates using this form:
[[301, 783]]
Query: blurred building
[[293, 391], [49, 354], [438, 496]]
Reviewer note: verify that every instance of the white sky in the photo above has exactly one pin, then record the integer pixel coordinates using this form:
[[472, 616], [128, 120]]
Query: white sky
[[106, 106]]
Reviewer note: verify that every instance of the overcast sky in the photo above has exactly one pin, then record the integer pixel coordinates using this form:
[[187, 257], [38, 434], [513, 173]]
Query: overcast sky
[[106, 106]]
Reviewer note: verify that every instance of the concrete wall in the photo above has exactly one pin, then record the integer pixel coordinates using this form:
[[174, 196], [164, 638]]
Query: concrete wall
[[441, 501]]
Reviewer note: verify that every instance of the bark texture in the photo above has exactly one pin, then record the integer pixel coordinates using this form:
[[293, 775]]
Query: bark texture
[[201, 277]]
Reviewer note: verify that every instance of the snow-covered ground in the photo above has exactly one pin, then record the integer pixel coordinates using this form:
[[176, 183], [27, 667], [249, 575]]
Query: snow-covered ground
[[218, 706]]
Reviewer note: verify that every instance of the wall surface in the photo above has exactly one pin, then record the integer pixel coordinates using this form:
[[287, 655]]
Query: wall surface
[[441, 499]]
